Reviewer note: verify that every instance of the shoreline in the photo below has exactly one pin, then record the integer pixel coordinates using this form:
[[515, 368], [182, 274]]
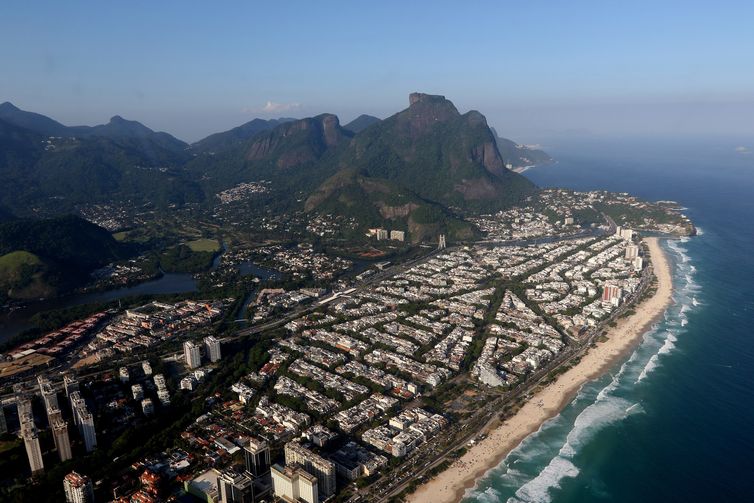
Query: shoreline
[[450, 485]]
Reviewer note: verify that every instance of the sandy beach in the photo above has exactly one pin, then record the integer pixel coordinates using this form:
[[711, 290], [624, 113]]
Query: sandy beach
[[450, 485]]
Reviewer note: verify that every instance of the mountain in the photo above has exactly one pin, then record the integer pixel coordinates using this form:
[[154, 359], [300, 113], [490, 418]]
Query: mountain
[[117, 128], [519, 156], [39, 258], [18, 144], [31, 121], [233, 137], [439, 154], [416, 170], [122, 161], [58, 175], [291, 156], [360, 123]]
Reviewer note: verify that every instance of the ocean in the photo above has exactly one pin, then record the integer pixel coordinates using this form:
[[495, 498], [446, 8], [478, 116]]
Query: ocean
[[675, 422]]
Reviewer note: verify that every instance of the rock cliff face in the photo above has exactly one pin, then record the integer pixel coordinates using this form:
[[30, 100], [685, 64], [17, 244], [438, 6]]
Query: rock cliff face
[[439, 154], [294, 143]]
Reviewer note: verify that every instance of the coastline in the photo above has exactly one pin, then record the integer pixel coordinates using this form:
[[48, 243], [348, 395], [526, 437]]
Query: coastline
[[450, 485]]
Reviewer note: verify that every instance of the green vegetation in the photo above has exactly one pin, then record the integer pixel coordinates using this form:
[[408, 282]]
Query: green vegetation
[[204, 245], [182, 259], [39, 258], [22, 276]]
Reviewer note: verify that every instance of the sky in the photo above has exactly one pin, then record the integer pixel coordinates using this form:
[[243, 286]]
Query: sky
[[537, 69]]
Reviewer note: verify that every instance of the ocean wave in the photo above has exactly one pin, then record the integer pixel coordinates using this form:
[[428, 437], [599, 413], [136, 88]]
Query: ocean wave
[[636, 408], [537, 490], [648, 368], [668, 346], [607, 409], [488, 495]]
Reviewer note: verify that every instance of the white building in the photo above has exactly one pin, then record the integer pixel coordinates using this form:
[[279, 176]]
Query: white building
[[638, 263], [632, 251], [212, 348], [31, 441], [294, 484], [62, 440], [192, 355], [188, 383], [78, 488], [147, 368], [323, 469], [84, 420]]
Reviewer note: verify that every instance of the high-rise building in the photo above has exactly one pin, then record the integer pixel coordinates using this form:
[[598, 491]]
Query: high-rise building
[[313, 463], [632, 251], [234, 487], [294, 484], [71, 384], [49, 396], [638, 263], [397, 235], [611, 294], [212, 348], [147, 368], [441, 245], [78, 488], [622, 233], [62, 440], [124, 374], [31, 441], [84, 420], [164, 396], [257, 458], [159, 381], [192, 355]]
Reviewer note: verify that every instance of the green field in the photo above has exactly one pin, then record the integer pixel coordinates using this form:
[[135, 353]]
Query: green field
[[11, 262], [204, 245]]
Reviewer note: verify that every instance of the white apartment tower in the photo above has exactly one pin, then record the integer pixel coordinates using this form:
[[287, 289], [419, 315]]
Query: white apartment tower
[[31, 441], [632, 251], [313, 463], [62, 440], [212, 348], [84, 420], [192, 355], [294, 484]]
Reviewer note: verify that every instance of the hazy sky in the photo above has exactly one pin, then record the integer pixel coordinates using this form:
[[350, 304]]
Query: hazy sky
[[535, 68]]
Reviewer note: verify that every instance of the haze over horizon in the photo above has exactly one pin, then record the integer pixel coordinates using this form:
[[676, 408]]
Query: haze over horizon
[[534, 70]]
